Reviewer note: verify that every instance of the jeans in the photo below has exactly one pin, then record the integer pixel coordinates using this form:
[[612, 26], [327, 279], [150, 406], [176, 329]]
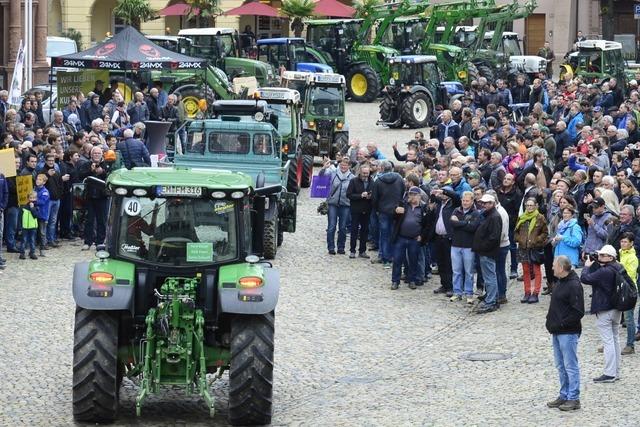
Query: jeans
[[442, 245], [565, 353], [337, 219], [405, 248], [359, 230], [631, 328], [462, 260], [427, 259], [513, 250], [29, 240], [96, 223], [488, 267], [385, 249], [65, 214], [1, 228], [501, 271], [11, 217], [374, 232], [54, 206], [608, 323], [42, 233]]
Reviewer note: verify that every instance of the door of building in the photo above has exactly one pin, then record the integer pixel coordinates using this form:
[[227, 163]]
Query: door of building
[[535, 32]]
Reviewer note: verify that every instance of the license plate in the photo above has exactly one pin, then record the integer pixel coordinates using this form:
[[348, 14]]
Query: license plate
[[179, 190]]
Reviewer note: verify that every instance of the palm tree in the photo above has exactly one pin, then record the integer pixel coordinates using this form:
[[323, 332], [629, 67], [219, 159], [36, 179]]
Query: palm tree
[[297, 9], [365, 8], [134, 12]]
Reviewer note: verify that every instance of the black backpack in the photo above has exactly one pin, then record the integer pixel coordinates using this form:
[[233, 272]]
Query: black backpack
[[625, 293]]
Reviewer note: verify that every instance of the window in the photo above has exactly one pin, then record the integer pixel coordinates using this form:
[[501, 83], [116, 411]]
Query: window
[[325, 100], [229, 143], [195, 142], [262, 144]]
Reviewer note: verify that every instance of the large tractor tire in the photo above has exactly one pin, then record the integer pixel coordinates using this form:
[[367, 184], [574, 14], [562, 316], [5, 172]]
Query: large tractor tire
[[307, 170], [472, 72], [251, 369], [96, 377], [306, 140], [363, 84], [293, 178], [486, 72], [191, 96], [416, 110], [386, 114], [341, 142], [270, 240], [126, 86]]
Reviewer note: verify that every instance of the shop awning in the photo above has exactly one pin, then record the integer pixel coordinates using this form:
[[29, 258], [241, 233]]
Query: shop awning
[[178, 9], [333, 8], [253, 8]]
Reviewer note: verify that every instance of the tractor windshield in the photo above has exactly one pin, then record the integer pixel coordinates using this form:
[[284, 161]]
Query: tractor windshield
[[403, 74], [212, 46], [176, 231], [283, 111], [325, 100], [299, 85], [511, 46]]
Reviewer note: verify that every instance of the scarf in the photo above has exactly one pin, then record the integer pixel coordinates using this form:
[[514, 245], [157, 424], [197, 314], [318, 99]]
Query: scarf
[[528, 216], [563, 225]]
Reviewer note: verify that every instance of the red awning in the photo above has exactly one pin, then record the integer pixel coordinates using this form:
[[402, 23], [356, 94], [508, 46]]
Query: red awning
[[333, 8], [253, 8], [178, 9]]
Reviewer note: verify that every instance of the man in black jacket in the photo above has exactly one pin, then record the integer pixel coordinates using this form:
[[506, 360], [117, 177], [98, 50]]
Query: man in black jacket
[[95, 198], [386, 196], [510, 198], [444, 201], [359, 193], [486, 243], [55, 185], [566, 310]]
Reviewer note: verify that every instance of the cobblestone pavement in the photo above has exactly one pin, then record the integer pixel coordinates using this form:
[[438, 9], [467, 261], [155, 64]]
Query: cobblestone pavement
[[348, 350]]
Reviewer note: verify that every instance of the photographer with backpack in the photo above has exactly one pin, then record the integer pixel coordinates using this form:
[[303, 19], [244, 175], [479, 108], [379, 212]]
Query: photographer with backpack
[[601, 275]]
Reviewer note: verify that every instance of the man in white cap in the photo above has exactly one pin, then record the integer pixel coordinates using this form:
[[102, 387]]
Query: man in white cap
[[601, 275], [486, 243]]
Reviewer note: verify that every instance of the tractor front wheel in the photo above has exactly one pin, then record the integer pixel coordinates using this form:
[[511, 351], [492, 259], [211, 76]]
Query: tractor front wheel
[[416, 110], [307, 170], [363, 83], [251, 369], [270, 240], [292, 177], [341, 144], [96, 377]]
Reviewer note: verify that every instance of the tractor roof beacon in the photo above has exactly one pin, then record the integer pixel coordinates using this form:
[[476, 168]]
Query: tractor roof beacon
[[413, 92], [175, 293], [325, 130]]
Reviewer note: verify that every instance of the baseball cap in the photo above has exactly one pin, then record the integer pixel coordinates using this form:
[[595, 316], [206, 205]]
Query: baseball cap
[[598, 201], [487, 198], [473, 175], [26, 144], [597, 108], [607, 250], [414, 190]]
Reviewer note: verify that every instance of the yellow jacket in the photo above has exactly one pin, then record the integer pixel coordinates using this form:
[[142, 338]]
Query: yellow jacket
[[629, 261]]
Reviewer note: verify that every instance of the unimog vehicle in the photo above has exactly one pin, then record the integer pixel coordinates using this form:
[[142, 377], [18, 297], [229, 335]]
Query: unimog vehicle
[[176, 294], [243, 137], [596, 61], [413, 92], [291, 54], [325, 131], [286, 104]]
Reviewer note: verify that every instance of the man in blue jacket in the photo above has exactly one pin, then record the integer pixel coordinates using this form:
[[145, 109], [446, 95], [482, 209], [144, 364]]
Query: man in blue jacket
[[133, 151], [601, 275]]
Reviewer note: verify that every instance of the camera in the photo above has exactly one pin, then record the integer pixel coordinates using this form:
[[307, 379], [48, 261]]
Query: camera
[[592, 256], [581, 159]]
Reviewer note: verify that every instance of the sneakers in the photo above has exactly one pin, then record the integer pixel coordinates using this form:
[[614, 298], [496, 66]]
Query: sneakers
[[471, 300], [604, 379], [352, 255], [394, 285], [525, 299], [556, 403], [386, 265], [533, 299], [483, 309], [341, 252], [86, 247], [363, 255], [628, 350], [570, 405], [503, 300], [455, 298], [22, 256], [412, 285]]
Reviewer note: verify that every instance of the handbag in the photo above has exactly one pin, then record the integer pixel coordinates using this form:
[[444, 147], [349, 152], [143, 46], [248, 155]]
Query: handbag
[[536, 255], [320, 186]]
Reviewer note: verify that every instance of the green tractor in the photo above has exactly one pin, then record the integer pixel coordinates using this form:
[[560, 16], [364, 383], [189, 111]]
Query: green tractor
[[325, 131], [243, 136], [176, 294], [413, 92], [296, 80], [596, 61]]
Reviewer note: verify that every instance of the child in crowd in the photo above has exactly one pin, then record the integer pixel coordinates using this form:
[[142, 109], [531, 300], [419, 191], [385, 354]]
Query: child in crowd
[[43, 203], [29, 226]]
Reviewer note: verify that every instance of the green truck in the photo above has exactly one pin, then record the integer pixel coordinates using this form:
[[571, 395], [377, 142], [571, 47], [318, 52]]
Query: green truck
[[177, 293]]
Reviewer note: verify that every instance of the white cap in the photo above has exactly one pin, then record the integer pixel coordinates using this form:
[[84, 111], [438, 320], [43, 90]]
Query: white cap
[[608, 250], [487, 198]]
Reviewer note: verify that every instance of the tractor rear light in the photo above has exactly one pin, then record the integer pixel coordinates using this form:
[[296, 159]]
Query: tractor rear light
[[312, 124], [100, 290], [101, 277], [339, 125], [250, 282]]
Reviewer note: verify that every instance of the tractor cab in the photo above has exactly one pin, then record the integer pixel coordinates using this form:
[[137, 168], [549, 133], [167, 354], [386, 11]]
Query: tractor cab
[[325, 132], [291, 54], [597, 61], [405, 34], [287, 106], [333, 38], [296, 80], [413, 92]]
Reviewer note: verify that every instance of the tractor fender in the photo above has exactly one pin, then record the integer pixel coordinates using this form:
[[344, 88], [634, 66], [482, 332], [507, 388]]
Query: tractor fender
[[262, 300], [121, 299], [272, 210], [312, 67]]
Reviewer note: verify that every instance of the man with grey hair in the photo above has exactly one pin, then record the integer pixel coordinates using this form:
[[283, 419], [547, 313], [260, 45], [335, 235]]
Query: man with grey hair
[[386, 195], [627, 224], [133, 151], [497, 171], [566, 310], [137, 109]]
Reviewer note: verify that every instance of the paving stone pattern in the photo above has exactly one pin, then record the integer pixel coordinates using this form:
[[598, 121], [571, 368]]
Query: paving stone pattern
[[349, 351]]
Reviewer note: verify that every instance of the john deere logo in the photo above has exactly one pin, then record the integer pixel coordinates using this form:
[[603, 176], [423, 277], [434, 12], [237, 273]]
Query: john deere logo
[[106, 49], [149, 51]]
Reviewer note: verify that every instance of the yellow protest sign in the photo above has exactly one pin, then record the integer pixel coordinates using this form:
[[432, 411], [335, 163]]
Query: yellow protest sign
[[24, 186], [7, 162]]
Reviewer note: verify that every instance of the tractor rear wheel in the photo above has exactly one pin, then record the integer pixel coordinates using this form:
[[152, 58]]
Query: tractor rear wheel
[[270, 240], [472, 72], [416, 110], [96, 377], [251, 369], [191, 96], [292, 177], [486, 72], [341, 142], [307, 140], [363, 84], [386, 113], [307, 170]]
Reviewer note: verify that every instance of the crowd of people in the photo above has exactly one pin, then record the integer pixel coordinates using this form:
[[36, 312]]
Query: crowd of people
[[536, 175], [80, 141]]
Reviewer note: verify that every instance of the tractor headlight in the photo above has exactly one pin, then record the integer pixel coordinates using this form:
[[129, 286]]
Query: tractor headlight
[[237, 195], [392, 81], [462, 74], [250, 282], [312, 124], [121, 191], [218, 195], [339, 125], [139, 192]]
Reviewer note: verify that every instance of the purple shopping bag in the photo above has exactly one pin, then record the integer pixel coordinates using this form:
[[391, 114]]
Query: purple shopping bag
[[320, 185]]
